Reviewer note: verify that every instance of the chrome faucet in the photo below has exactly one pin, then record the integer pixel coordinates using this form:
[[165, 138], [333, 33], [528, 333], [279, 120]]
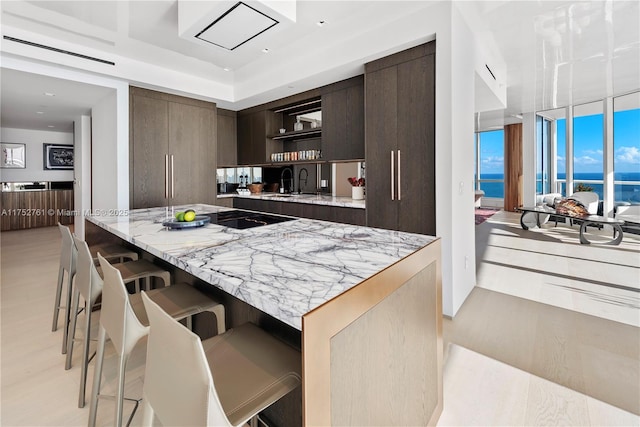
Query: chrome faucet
[[290, 180], [306, 175]]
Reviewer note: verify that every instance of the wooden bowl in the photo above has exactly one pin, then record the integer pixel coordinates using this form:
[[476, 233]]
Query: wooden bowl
[[255, 188], [272, 188]]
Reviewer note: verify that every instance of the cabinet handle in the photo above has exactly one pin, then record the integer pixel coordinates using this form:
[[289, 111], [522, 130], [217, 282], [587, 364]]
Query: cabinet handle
[[393, 195], [399, 178], [166, 176], [172, 181]]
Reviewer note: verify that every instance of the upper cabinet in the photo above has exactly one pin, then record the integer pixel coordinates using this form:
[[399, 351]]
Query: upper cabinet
[[172, 149], [343, 120], [324, 124], [254, 125]]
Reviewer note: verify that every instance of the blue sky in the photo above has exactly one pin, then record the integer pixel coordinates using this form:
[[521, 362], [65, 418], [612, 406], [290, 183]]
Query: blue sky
[[588, 135], [492, 152]]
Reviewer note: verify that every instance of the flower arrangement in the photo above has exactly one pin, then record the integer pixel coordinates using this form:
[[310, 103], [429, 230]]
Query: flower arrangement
[[356, 182]]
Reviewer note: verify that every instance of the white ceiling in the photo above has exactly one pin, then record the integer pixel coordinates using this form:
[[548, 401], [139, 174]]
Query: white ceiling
[[556, 52], [26, 105]]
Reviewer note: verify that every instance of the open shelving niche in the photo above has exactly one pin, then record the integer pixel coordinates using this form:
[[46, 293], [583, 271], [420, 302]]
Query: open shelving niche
[[309, 138]]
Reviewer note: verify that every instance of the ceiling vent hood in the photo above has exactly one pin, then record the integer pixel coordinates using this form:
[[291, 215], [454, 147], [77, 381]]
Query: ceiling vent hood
[[231, 24], [237, 26]]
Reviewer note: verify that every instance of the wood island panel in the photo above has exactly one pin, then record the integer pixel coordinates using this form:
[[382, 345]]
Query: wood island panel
[[373, 355]]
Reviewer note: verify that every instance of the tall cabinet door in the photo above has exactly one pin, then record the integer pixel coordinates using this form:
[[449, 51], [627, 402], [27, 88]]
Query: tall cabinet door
[[149, 142], [192, 153], [400, 140], [381, 127], [416, 145]]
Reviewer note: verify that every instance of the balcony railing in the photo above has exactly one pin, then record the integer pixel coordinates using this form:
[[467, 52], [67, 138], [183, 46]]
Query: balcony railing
[[624, 191]]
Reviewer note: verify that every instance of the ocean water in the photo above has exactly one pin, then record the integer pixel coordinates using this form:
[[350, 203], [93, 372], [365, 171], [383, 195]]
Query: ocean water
[[623, 192]]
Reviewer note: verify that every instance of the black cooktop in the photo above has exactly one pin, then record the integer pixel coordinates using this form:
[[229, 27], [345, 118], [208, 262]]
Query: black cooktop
[[244, 219]]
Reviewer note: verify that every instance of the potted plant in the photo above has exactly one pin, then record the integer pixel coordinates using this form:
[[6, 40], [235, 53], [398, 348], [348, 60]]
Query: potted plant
[[582, 187], [357, 188]]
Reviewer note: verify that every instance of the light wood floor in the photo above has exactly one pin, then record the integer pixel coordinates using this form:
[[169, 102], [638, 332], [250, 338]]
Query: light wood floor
[[510, 361], [538, 326], [549, 265], [35, 389]]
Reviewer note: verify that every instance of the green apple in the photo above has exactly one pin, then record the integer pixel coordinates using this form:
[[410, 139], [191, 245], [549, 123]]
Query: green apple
[[189, 215]]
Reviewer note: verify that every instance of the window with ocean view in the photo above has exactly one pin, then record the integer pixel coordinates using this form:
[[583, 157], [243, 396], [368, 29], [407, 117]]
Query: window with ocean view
[[626, 148], [588, 145], [490, 163]]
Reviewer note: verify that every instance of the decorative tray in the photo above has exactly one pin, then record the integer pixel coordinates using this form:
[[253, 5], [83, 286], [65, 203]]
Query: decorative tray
[[199, 221]]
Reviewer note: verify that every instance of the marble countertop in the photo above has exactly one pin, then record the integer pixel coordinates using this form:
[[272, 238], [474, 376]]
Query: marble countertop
[[327, 200], [285, 269]]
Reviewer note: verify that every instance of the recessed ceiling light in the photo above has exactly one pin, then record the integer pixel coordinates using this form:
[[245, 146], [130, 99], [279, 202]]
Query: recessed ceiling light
[[39, 112], [49, 94], [321, 23], [227, 69], [265, 50], [51, 126]]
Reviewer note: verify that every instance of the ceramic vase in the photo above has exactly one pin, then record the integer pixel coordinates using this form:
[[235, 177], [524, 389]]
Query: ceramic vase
[[357, 193]]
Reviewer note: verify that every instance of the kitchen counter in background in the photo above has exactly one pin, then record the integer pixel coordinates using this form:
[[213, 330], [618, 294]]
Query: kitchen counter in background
[[31, 208], [37, 186], [313, 199]]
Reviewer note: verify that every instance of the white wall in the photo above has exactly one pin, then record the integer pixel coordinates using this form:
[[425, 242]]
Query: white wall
[[106, 159], [82, 185], [460, 157], [34, 140]]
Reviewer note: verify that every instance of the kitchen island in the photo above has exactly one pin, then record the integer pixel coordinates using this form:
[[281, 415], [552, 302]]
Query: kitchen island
[[365, 302]]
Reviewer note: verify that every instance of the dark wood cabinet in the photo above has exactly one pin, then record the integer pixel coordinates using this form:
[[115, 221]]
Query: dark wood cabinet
[[304, 210], [227, 138], [172, 149], [400, 140], [343, 120], [254, 147], [340, 137], [192, 154], [258, 205], [149, 151]]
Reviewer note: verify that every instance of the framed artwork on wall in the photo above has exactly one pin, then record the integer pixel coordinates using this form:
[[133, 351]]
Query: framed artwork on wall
[[57, 156], [13, 156]]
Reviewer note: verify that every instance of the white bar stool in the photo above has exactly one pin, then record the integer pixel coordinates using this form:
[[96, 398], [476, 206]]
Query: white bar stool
[[134, 271], [110, 252], [88, 283], [124, 319], [222, 381]]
